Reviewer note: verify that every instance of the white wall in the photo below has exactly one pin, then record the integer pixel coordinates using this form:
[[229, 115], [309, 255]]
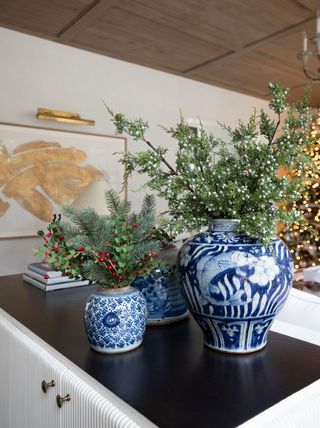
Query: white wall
[[39, 73]]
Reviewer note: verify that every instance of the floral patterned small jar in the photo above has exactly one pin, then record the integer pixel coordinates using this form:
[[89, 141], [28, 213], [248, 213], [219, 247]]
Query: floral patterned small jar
[[165, 304], [234, 287], [115, 320]]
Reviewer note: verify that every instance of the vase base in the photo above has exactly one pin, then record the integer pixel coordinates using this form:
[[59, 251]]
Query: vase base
[[167, 320], [236, 351], [115, 350]]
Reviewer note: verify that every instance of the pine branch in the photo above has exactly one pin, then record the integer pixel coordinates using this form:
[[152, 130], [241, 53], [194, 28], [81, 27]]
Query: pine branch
[[115, 205], [113, 201], [148, 206], [103, 231], [144, 248], [94, 272], [82, 219]]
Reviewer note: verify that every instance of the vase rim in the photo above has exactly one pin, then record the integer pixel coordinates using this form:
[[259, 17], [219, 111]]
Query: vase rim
[[223, 225], [110, 290], [228, 220]]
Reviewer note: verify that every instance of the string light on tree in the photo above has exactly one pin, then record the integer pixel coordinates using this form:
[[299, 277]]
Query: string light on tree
[[304, 247]]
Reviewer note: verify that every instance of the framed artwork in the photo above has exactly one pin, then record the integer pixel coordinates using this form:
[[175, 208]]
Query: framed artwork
[[42, 169]]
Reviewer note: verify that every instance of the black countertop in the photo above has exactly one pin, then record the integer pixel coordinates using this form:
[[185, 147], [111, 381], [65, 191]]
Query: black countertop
[[172, 379]]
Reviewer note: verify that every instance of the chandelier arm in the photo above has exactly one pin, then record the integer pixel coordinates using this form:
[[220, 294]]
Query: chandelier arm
[[309, 75], [305, 55]]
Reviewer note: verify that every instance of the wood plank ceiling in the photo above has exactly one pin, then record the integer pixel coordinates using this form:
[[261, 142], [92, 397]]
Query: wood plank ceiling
[[236, 44]]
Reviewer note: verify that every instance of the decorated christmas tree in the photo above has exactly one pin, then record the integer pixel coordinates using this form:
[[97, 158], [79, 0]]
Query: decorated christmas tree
[[304, 245]]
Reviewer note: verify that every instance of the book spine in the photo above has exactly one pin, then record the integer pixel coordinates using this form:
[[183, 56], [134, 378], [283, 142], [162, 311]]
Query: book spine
[[34, 282], [38, 269], [67, 285], [51, 287], [40, 277]]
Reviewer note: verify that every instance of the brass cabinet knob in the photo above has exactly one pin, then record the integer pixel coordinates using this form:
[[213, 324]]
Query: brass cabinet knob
[[46, 385], [61, 400]]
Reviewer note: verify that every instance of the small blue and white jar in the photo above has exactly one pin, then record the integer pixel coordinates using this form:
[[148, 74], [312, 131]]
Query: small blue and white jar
[[165, 304], [115, 320], [234, 286]]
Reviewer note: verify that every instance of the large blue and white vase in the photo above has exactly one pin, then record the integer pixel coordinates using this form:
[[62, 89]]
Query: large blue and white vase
[[115, 320], [234, 286], [165, 304]]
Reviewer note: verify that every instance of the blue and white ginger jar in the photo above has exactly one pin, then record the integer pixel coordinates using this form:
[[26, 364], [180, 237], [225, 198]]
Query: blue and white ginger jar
[[165, 304], [115, 320], [234, 287]]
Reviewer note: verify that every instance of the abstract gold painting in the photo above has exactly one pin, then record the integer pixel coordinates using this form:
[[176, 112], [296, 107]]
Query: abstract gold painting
[[42, 169]]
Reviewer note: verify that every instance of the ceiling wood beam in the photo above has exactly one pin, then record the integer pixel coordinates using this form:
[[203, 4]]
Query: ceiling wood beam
[[291, 29], [149, 12], [84, 19], [229, 86]]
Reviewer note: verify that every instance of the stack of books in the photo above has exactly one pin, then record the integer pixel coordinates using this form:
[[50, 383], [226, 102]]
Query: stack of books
[[42, 276]]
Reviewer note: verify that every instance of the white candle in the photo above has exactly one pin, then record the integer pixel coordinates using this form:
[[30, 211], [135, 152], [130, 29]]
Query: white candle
[[305, 42], [318, 22]]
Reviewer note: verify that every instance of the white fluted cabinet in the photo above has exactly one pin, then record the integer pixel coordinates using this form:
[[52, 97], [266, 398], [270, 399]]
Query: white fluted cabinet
[[171, 378], [26, 361]]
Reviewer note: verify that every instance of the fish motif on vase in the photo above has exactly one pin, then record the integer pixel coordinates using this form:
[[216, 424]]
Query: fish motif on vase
[[234, 287]]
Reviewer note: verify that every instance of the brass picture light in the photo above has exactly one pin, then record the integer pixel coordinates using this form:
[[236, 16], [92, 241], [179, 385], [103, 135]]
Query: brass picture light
[[62, 116]]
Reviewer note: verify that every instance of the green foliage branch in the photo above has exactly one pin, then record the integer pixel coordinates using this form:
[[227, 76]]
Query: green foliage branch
[[58, 252], [240, 179], [110, 250]]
